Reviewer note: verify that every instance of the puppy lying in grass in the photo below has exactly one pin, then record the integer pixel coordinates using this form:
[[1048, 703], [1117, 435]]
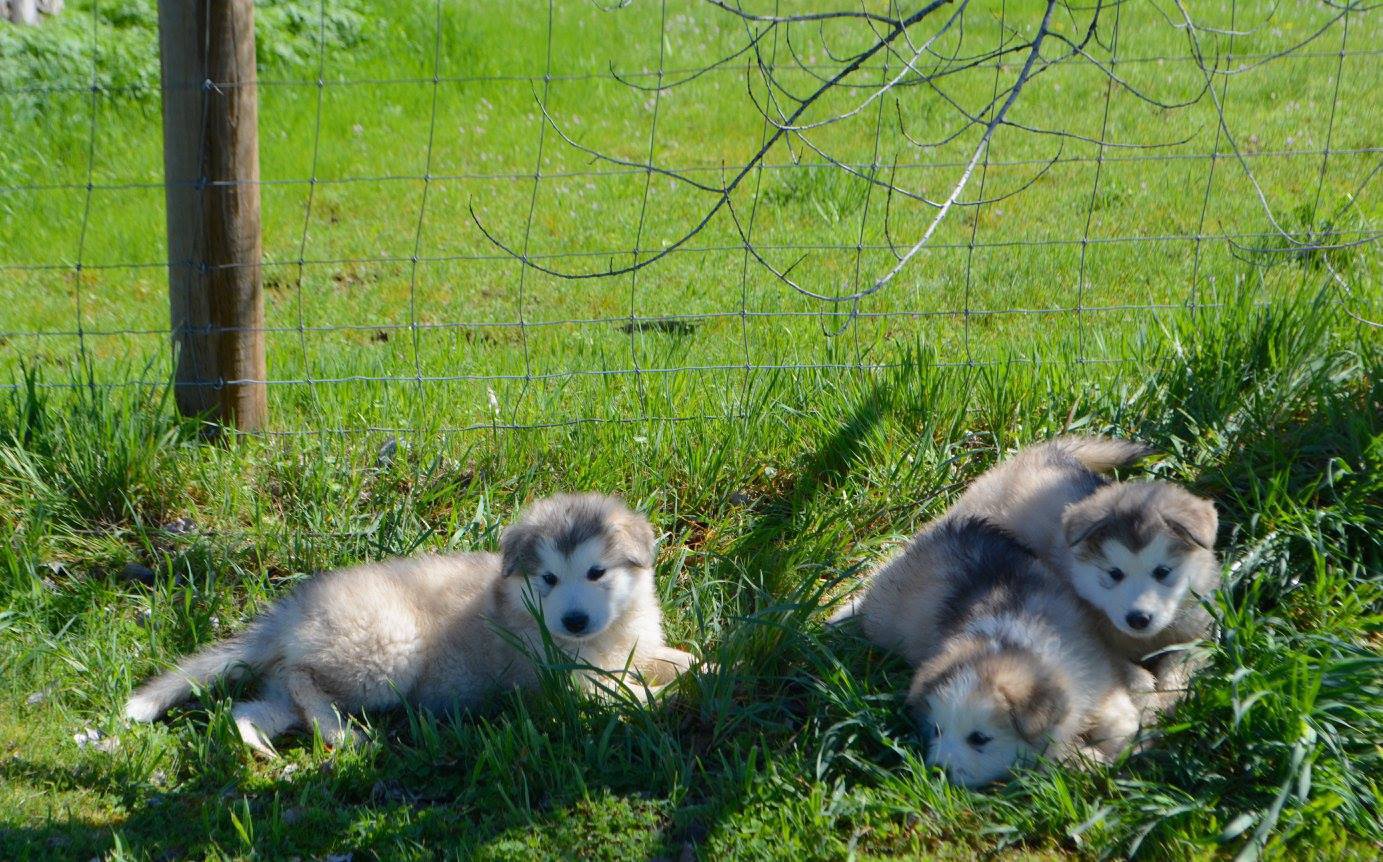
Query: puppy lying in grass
[[1009, 665], [444, 632], [1142, 556], [1139, 554]]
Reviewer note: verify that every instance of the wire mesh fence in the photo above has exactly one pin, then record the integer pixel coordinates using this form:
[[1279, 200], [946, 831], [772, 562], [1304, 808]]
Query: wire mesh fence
[[484, 216]]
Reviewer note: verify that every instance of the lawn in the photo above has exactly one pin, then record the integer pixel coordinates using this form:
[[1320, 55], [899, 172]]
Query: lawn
[[780, 444]]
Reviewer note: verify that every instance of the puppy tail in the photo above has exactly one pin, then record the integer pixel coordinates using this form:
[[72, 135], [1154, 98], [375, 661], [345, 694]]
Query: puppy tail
[[228, 658], [1102, 454]]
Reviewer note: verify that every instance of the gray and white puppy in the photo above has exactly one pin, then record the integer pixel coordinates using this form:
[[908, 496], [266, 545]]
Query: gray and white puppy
[[1139, 554], [1009, 664], [444, 632], [1142, 555]]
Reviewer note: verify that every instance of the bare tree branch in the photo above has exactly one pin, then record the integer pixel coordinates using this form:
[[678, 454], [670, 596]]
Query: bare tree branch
[[724, 195], [906, 57]]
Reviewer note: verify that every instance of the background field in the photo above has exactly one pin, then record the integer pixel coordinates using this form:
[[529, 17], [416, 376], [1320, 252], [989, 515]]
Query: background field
[[780, 442]]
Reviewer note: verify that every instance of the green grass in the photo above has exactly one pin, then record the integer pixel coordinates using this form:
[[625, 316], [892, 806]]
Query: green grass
[[359, 297], [799, 747], [1266, 398]]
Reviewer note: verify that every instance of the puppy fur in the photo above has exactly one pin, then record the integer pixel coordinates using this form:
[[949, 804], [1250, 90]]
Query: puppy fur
[[1028, 493], [1054, 497], [444, 632], [1141, 555], [1008, 665]]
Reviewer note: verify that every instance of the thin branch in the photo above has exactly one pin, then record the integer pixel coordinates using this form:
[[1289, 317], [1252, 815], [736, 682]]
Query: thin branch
[[724, 195], [810, 16], [974, 159]]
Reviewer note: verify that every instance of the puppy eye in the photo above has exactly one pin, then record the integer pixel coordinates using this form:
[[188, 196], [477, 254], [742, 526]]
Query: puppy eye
[[550, 579], [1116, 575], [595, 573], [977, 739], [1161, 572]]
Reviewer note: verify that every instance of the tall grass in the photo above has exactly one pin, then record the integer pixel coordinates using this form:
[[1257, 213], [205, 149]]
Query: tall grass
[[797, 744]]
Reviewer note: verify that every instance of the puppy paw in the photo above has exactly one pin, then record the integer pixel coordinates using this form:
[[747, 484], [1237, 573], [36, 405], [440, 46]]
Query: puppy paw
[[1140, 680], [255, 738], [678, 659], [1091, 753], [665, 666], [845, 613]]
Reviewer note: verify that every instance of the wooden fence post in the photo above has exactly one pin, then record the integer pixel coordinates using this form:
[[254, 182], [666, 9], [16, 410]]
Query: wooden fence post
[[211, 173]]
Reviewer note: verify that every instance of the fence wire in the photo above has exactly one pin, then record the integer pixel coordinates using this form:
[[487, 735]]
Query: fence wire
[[636, 211]]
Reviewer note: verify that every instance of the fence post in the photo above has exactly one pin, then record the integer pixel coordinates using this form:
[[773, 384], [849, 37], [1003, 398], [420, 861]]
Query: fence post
[[211, 173]]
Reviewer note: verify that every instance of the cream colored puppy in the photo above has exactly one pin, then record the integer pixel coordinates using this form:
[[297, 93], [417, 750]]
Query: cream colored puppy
[[445, 632], [1139, 554]]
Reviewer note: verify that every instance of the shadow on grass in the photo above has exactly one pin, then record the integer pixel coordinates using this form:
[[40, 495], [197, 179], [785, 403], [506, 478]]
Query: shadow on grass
[[388, 801]]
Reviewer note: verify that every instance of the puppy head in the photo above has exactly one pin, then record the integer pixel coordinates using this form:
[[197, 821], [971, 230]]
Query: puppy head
[[1138, 549], [581, 558], [986, 712]]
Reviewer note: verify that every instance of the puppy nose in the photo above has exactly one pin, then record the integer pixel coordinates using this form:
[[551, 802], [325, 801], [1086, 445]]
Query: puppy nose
[[575, 621], [1137, 620]]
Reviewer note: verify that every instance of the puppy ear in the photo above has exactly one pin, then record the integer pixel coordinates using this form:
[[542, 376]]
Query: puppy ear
[[516, 548], [1035, 702], [1079, 523], [926, 678], [1194, 521], [638, 539]]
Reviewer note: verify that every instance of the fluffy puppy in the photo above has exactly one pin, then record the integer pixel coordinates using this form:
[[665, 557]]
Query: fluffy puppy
[[444, 632], [1008, 666], [1029, 493], [1141, 554]]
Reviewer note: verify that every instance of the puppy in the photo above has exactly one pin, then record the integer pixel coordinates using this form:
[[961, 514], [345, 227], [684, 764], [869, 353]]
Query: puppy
[[1008, 664], [1141, 554], [444, 632], [1030, 492], [1138, 554]]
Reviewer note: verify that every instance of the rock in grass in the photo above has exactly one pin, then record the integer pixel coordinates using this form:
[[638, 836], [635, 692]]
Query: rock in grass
[[93, 738], [137, 572], [386, 454], [180, 527]]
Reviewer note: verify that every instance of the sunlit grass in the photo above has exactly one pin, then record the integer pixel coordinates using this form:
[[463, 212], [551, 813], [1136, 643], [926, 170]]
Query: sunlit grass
[[1255, 382]]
